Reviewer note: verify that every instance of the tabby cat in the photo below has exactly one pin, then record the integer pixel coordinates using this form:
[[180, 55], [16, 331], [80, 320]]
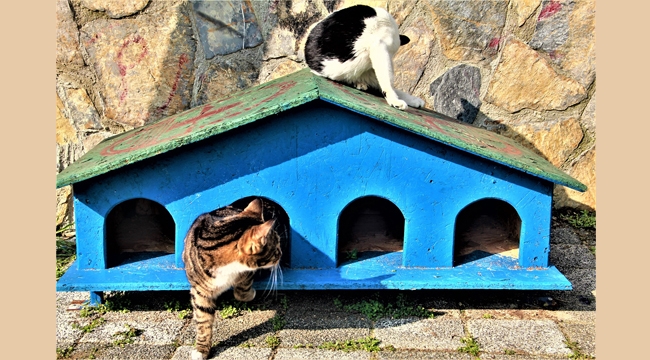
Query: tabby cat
[[223, 249]]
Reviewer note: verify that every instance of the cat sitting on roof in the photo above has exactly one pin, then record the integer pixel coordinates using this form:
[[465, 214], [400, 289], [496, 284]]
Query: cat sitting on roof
[[356, 46]]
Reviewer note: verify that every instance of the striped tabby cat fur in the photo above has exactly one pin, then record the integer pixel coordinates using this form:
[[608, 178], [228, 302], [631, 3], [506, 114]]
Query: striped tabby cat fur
[[223, 248]]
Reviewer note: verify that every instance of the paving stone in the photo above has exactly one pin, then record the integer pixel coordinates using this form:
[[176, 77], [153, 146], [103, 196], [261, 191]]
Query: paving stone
[[249, 328], [518, 356], [537, 337], [420, 334], [128, 351], [318, 354], [66, 335], [422, 355], [305, 327], [229, 353], [506, 314], [583, 334], [573, 317], [157, 327]]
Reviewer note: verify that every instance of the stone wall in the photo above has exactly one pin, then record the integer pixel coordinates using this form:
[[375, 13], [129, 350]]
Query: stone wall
[[522, 68]]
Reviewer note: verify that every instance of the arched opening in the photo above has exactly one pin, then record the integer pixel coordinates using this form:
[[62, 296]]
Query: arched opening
[[273, 210], [369, 226], [138, 229], [486, 227]]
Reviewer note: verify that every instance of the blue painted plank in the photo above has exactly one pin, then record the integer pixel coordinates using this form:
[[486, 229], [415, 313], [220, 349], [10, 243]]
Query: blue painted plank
[[377, 272]]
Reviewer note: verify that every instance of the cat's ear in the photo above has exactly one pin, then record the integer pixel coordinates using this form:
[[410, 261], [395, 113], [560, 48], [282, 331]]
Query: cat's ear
[[403, 40], [258, 236], [255, 208]]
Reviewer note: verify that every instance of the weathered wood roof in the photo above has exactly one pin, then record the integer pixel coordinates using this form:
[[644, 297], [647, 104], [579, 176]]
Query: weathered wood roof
[[285, 93]]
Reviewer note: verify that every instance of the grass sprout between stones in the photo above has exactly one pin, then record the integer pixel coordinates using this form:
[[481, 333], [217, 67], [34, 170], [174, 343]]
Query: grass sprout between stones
[[64, 353], [375, 309], [127, 336], [471, 346], [369, 344], [576, 354]]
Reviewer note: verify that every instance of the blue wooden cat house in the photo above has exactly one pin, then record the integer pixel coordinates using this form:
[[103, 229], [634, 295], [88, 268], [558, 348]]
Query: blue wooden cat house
[[375, 197]]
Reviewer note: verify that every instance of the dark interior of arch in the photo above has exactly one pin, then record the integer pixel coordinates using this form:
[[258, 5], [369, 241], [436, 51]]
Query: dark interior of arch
[[369, 225], [486, 227], [138, 229]]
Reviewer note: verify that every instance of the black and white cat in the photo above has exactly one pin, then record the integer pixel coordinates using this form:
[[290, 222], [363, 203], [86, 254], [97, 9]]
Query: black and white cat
[[356, 46]]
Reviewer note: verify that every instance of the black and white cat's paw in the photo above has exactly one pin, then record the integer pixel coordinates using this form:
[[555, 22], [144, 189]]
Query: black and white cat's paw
[[396, 102], [404, 100], [412, 101]]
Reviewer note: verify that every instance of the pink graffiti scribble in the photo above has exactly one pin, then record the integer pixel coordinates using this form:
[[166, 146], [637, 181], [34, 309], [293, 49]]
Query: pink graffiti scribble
[[494, 43], [181, 61], [137, 39], [549, 10]]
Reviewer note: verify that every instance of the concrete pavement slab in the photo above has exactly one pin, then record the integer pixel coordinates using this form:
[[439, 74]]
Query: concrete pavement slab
[[319, 354], [226, 353], [420, 334], [537, 337], [250, 328], [584, 335], [66, 334], [307, 327], [421, 355]]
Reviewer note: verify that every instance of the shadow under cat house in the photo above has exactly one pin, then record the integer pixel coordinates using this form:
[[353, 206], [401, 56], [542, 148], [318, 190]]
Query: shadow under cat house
[[365, 196]]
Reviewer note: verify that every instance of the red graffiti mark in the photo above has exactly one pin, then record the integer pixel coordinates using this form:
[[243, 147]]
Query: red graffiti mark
[[181, 61], [494, 43], [93, 38], [549, 10], [511, 150], [433, 124], [137, 39], [155, 133], [175, 127], [555, 55]]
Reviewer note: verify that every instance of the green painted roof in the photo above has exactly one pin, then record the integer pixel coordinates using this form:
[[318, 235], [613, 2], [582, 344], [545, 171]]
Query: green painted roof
[[285, 93]]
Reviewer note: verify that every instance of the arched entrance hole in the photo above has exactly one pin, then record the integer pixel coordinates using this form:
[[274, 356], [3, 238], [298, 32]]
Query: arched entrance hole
[[484, 228], [369, 225], [138, 229]]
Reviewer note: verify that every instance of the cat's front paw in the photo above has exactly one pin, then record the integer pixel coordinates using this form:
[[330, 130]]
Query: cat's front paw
[[196, 355], [415, 102], [397, 103]]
